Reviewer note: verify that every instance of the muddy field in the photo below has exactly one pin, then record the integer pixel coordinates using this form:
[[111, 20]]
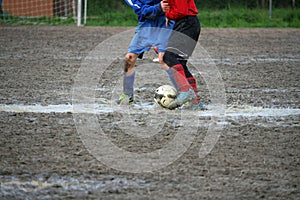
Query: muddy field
[[44, 154]]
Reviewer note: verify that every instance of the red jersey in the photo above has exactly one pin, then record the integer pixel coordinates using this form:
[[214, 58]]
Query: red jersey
[[181, 8]]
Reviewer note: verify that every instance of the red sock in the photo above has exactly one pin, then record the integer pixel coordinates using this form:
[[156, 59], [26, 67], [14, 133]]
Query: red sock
[[193, 83], [180, 79]]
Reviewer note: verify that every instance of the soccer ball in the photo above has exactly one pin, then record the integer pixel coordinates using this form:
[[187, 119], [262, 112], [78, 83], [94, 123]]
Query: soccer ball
[[164, 95]]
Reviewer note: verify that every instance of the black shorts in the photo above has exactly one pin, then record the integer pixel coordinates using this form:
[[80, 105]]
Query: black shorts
[[183, 40]]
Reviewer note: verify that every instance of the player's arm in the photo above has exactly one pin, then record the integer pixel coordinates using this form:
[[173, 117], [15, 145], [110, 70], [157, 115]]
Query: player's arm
[[145, 11]]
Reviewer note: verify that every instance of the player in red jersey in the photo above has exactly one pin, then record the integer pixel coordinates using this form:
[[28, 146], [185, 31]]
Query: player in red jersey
[[179, 49]]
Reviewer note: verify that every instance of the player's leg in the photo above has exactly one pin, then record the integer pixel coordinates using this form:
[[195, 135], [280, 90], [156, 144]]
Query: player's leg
[[189, 26], [176, 72], [130, 60], [192, 81], [196, 104], [192, 29], [128, 79], [165, 67]]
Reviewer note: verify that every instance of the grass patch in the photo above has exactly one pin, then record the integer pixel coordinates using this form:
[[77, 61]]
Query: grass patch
[[50, 21], [223, 18], [245, 18], [126, 17]]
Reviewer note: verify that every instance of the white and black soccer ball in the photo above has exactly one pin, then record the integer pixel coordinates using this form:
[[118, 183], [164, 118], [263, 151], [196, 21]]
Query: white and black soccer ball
[[164, 95]]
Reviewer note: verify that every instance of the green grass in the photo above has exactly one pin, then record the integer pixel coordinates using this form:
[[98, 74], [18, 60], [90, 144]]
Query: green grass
[[53, 21], [225, 18], [243, 18], [125, 17], [235, 17]]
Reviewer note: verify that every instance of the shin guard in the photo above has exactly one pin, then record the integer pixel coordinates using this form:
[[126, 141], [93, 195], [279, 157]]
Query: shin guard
[[180, 79]]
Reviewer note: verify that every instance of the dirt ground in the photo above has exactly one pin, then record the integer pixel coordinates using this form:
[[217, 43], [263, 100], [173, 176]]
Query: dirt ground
[[256, 156]]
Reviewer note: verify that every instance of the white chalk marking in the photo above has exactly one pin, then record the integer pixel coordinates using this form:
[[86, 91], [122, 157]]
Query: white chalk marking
[[216, 60], [231, 111]]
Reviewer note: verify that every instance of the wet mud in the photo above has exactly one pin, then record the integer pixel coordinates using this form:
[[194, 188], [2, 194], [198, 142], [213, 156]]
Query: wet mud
[[256, 154]]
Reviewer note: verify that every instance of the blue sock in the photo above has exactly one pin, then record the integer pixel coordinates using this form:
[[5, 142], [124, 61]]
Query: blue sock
[[128, 83], [170, 74]]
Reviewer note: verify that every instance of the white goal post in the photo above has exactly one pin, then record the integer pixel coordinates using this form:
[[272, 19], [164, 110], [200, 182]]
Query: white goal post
[[23, 9], [270, 9], [79, 12]]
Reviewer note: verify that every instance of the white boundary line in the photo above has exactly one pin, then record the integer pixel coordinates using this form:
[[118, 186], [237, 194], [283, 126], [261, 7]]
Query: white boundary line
[[231, 111]]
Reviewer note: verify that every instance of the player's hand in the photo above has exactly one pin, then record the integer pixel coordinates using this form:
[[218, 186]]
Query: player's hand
[[164, 5]]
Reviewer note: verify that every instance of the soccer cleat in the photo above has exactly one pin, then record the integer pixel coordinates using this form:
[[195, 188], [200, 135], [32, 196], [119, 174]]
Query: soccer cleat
[[125, 100], [194, 105], [199, 106], [182, 98], [156, 60]]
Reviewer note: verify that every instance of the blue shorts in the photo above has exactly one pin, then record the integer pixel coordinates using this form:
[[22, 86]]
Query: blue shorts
[[151, 33]]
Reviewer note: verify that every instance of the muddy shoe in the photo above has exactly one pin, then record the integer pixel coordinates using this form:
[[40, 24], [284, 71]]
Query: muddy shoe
[[199, 106], [125, 100], [194, 105], [182, 98]]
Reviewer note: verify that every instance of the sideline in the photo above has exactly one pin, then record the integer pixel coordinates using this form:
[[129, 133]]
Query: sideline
[[231, 110]]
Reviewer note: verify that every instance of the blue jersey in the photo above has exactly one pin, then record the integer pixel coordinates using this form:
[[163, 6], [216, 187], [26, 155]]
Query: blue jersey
[[146, 9], [152, 30]]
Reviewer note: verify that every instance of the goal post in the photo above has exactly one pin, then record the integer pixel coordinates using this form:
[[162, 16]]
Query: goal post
[[79, 9], [270, 9], [82, 6]]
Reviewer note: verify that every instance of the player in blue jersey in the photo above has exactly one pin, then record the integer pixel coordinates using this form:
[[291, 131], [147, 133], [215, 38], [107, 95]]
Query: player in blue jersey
[[152, 31]]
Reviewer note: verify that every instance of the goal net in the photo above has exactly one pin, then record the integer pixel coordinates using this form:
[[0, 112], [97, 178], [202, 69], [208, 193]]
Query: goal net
[[41, 9]]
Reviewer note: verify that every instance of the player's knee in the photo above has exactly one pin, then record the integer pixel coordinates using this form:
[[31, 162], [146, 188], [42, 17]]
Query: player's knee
[[170, 59], [129, 62], [129, 57], [161, 58], [167, 59]]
